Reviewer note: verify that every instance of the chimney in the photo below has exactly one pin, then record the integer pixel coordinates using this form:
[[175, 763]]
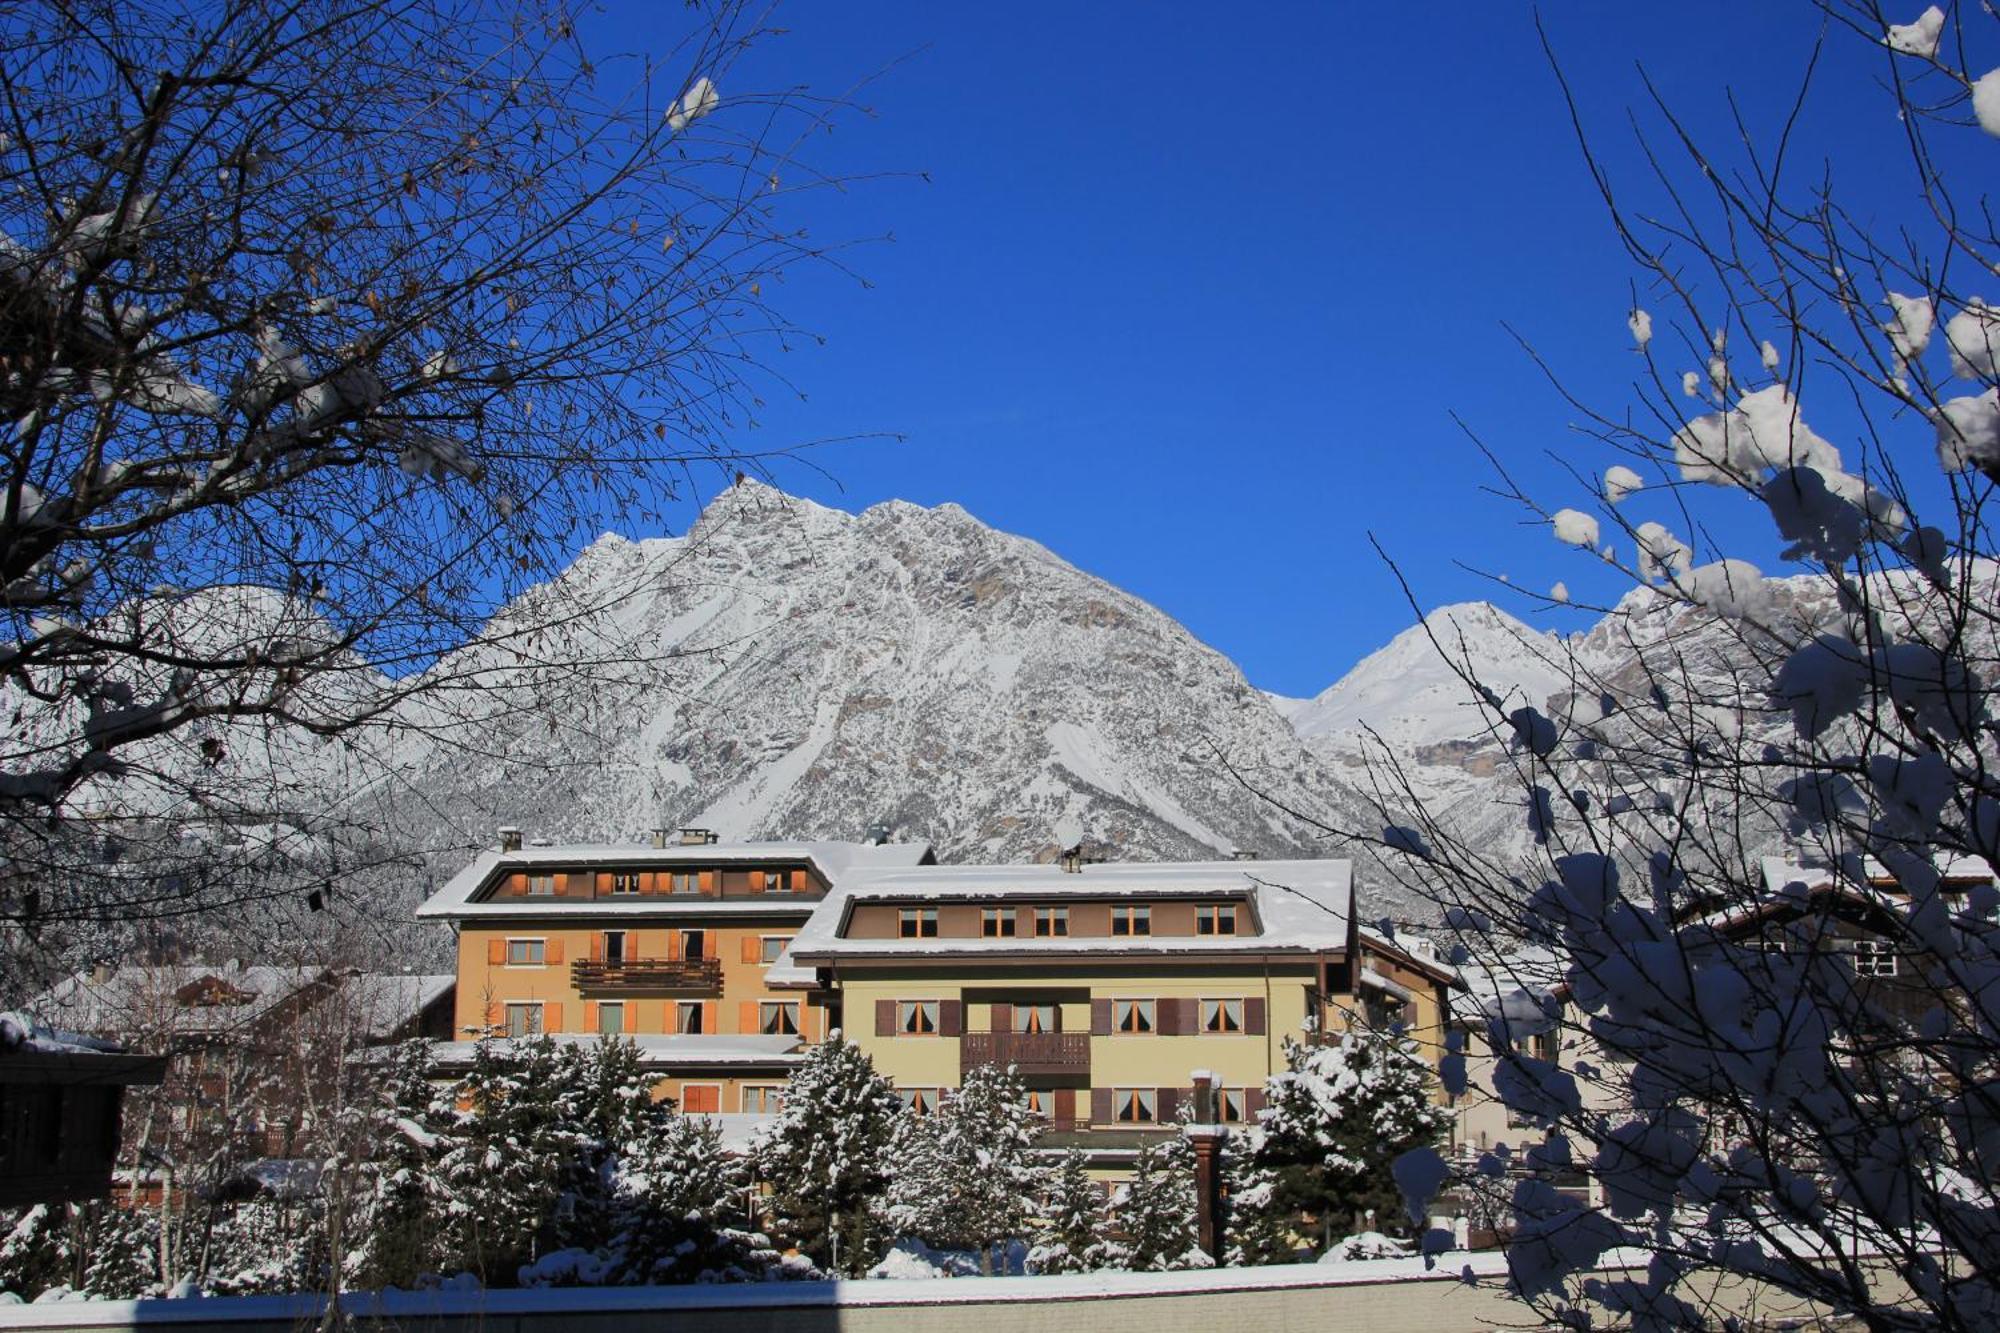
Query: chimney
[[877, 835], [698, 837], [659, 838], [1072, 859], [1241, 855], [510, 838]]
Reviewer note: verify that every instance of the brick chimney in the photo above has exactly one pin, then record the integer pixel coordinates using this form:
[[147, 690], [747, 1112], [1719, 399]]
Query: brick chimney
[[510, 838]]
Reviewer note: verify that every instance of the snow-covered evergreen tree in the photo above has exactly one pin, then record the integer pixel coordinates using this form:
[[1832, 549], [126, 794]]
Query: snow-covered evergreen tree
[[396, 1220], [1256, 1228], [826, 1156], [263, 1246], [1343, 1110], [965, 1176], [503, 1168], [1069, 1228], [1155, 1211], [120, 1252], [678, 1210]]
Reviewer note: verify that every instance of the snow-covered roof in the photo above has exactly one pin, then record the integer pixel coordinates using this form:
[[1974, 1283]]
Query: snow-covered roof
[[656, 1051], [382, 1003], [1303, 906], [1503, 983], [832, 859], [141, 1001], [1781, 871]]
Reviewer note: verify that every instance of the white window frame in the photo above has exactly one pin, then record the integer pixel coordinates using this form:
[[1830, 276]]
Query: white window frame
[[1875, 958]]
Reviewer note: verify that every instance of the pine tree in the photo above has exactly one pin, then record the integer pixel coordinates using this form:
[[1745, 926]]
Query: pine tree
[[397, 1219], [502, 1169], [262, 1246], [120, 1249], [1338, 1117], [1069, 1232], [677, 1212], [1256, 1228], [826, 1156], [965, 1176], [1156, 1210]]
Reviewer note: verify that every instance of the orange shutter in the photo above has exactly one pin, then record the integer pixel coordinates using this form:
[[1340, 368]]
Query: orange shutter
[[708, 881], [496, 952], [799, 882], [517, 886], [596, 948], [673, 946], [553, 953], [590, 1015], [603, 882], [752, 949], [552, 1016], [493, 1014], [708, 1015], [701, 1100], [746, 1016], [631, 1016]]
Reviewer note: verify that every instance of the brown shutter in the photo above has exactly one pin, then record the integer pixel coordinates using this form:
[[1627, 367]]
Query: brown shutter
[[1167, 1016], [800, 884], [1003, 1018], [631, 1016], [746, 1016], [1100, 1106], [496, 952], [951, 1018], [1100, 1018], [590, 1015], [1166, 1104], [752, 949], [552, 1016], [495, 1016], [1253, 1102], [708, 1016], [553, 952], [1190, 1016], [707, 881], [1253, 1015], [1024, 922], [1065, 1104], [885, 1018]]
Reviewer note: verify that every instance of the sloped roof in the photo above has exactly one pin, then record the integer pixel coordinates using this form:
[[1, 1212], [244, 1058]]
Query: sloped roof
[[151, 1002]]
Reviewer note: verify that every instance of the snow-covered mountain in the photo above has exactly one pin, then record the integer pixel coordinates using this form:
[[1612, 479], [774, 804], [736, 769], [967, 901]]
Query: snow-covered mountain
[[910, 667]]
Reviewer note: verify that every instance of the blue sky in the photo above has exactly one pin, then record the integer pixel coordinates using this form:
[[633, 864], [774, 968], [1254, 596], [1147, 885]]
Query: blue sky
[[1189, 292]]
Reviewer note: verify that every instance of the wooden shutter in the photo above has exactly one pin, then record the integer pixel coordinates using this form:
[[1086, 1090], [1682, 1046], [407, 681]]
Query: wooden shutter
[[559, 883], [590, 1015], [1003, 1018], [517, 886], [708, 1016], [746, 1016], [1100, 1018], [1100, 1106], [631, 1016], [496, 952], [1253, 1102], [649, 882], [752, 949], [496, 1017], [707, 881], [552, 1016], [800, 884], [1024, 922], [597, 947], [885, 1018], [673, 945], [1167, 1016], [1166, 1104], [603, 883], [552, 952], [1253, 1015], [951, 1018], [1065, 1104]]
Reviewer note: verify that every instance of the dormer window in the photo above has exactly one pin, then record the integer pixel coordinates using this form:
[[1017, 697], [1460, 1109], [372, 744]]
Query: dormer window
[[914, 923], [1215, 919], [1131, 921], [770, 881], [996, 923], [541, 886], [624, 882], [684, 881]]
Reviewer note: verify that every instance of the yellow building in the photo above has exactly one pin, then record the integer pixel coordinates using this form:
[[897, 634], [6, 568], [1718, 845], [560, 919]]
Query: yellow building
[[1108, 986], [677, 946]]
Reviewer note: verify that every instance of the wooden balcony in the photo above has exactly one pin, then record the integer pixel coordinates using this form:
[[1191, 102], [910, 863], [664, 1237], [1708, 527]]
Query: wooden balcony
[[1030, 1052], [592, 974]]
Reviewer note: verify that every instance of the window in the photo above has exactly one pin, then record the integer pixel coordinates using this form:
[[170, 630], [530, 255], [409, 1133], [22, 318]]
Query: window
[[625, 881], [687, 1018], [778, 1018], [694, 943], [916, 922], [1222, 1015], [684, 881], [770, 947], [996, 923], [541, 886], [701, 1098], [1132, 1016], [770, 881], [917, 1017], [610, 1018], [920, 1101], [614, 947], [525, 953], [1874, 958], [1231, 1105], [1134, 1105], [1039, 1102], [1051, 921], [1215, 919], [524, 1020], [763, 1099], [1131, 921], [1036, 1018]]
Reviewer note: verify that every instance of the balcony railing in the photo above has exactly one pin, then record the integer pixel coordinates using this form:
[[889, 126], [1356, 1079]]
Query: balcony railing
[[647, 974], [1030, 1052]]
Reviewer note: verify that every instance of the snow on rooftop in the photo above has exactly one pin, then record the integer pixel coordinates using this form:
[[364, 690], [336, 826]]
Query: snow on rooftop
[[656, 1051]]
